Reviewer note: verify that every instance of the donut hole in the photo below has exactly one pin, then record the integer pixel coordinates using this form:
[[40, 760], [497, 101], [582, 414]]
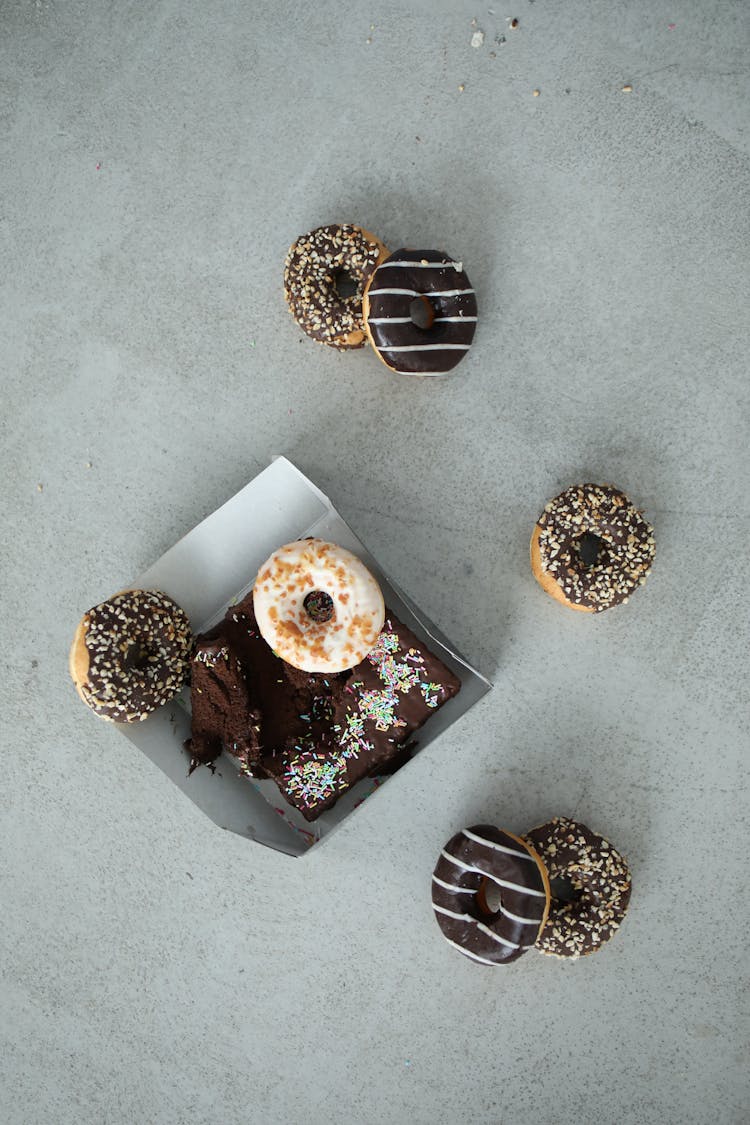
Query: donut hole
[[488, 898], [345, 284], [422, 313], [135, 656], [564, 890], [588, 547], [319, 606]]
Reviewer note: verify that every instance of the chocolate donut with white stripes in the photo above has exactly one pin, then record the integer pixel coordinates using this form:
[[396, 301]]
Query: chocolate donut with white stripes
[[420, 312], [473, 863]]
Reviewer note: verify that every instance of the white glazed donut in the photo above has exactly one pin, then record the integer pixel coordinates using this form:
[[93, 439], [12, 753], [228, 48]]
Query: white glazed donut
[[318, 606]]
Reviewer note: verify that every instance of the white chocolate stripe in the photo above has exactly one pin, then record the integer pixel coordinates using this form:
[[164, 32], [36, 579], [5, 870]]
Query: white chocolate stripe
[[500, 882], [423, 265], [468, 891], [497, 847], [452, 913], [468, 953], [426, 348], [414, 293], [486, 929], [479, 925], [454, 890], [408, 320]]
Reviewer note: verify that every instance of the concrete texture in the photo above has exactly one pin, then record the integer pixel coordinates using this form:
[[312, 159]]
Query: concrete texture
[[155, 162]]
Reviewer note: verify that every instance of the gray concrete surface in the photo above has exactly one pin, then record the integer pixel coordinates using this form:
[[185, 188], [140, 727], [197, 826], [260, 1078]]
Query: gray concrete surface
[[156, 159]]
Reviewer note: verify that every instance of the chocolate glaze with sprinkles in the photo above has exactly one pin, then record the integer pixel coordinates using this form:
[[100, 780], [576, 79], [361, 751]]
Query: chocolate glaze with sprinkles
[[599, 877], [625, 550], [312, 265], [430, 276], [315, 735], [139, 645]]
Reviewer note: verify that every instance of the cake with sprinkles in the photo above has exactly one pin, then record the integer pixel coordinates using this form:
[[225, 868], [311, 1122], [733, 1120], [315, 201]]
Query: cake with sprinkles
[[316, 736]]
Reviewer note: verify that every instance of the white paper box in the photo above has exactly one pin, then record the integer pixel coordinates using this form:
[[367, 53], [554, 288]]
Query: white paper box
[[214, 566]]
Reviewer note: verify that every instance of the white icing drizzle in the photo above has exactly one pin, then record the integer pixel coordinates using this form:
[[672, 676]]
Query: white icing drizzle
[[408, 320], [453, 889], [479, 925], [424, 265], [427, 348], [470, 891], [468, 953], [497, 847], [500, 882], [414, 293]]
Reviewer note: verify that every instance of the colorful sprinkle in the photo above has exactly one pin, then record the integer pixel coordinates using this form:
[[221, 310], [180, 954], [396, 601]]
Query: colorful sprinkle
[[312, 777]]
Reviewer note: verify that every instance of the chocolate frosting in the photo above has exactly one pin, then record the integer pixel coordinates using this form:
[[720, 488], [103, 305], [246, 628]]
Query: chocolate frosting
[[310, 272], [625, 548], [470, 859], [405, 347], [315, 735], [600, 881], [139, 645]]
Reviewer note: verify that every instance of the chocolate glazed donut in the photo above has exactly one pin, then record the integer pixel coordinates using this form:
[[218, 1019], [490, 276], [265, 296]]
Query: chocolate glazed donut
[[439, 334], [472, 860]]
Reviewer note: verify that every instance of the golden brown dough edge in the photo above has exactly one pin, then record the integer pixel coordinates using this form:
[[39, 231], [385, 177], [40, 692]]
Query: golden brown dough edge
[[78, 657], [546, 581]]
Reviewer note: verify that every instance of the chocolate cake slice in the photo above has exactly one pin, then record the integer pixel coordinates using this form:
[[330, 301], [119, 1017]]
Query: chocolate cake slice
[[315, 736]]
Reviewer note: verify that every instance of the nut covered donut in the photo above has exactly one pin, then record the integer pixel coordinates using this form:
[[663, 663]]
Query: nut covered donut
[[318, 606], [420, 312], [598, 521], [590, 887], [313, 265], [473, 860], [131, 654]]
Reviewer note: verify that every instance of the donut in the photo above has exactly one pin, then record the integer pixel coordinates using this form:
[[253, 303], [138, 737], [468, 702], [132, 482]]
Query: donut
[[318, 606], [472, 861], [591, 548], [590, 884], [131, 654], [313, 265], [420, 312]]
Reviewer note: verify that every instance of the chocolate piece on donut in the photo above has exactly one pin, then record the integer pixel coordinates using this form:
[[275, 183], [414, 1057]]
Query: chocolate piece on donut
[[318, 606], [315, 735], [420, 312], [131, 654], [590, 884], [591, 548], [313, 265], [472, 861]]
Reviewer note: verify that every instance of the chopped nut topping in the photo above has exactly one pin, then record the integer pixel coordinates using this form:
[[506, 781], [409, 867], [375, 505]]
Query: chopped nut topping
[[626, 545]]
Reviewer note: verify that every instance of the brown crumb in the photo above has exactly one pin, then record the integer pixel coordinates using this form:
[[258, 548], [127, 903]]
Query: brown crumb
[[627, 89], [514, 24], [536, 93]]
